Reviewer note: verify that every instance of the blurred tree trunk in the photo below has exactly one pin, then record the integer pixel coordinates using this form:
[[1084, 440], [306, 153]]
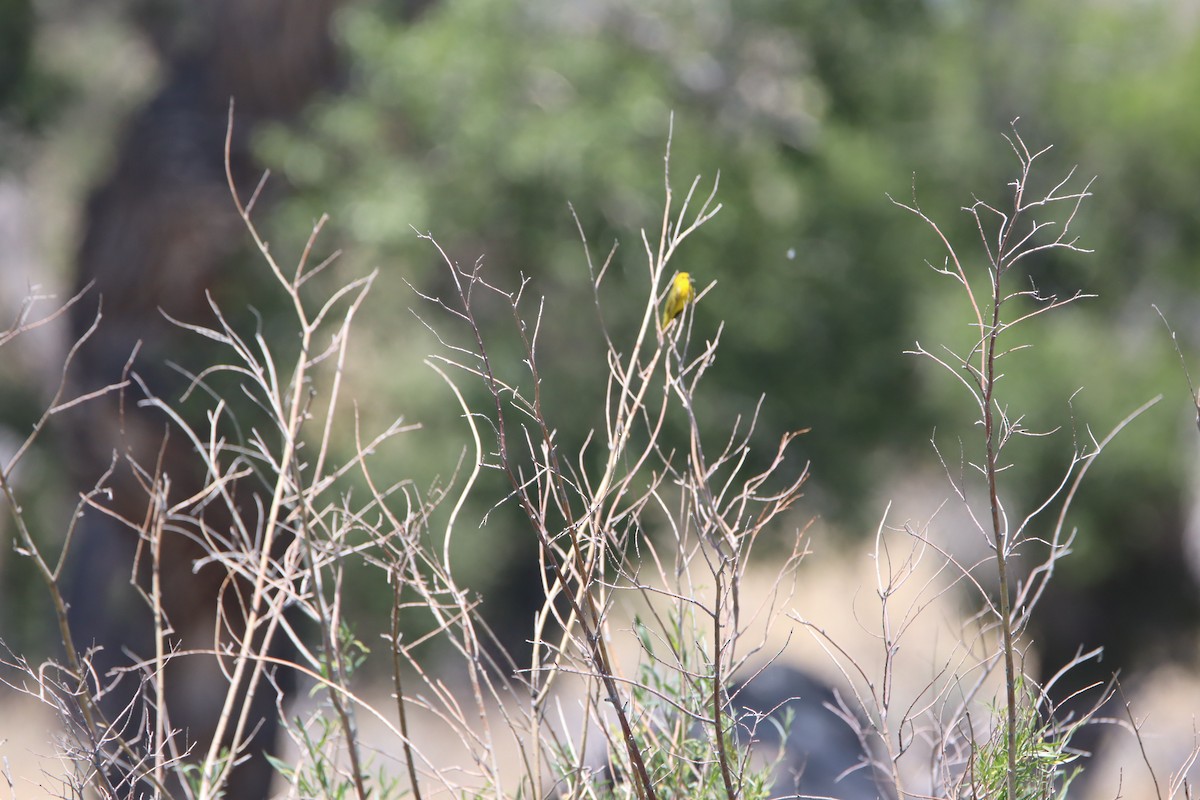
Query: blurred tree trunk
[[159, 235]]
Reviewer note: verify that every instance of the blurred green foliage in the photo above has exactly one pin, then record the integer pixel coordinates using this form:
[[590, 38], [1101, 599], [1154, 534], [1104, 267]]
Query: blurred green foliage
[[16, 40], [480, 120]]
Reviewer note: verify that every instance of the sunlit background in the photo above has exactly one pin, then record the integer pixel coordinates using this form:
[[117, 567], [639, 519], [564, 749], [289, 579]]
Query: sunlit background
[[506, 127]]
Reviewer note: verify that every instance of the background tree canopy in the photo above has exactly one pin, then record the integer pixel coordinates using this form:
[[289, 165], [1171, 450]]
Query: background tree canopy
[[479, 121]]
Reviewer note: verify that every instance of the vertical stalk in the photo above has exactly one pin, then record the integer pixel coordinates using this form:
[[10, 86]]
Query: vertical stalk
[[999, 534], [717, 693], [401, 702]]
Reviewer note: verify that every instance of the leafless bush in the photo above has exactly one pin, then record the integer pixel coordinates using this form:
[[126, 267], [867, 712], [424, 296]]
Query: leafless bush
[[971, 748], [656, 534], [642, 549]]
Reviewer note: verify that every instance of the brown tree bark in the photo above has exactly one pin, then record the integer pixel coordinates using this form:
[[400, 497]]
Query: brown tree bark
[[159, 233]]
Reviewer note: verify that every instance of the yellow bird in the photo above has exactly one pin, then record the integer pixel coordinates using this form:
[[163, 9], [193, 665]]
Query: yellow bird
[[682, 292]]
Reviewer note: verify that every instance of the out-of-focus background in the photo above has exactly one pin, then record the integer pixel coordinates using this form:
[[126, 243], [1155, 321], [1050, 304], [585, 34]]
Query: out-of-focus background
[[481, 121]]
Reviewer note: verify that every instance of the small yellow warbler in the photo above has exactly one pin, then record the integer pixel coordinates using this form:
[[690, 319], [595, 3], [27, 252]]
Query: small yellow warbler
[[682, 292]]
